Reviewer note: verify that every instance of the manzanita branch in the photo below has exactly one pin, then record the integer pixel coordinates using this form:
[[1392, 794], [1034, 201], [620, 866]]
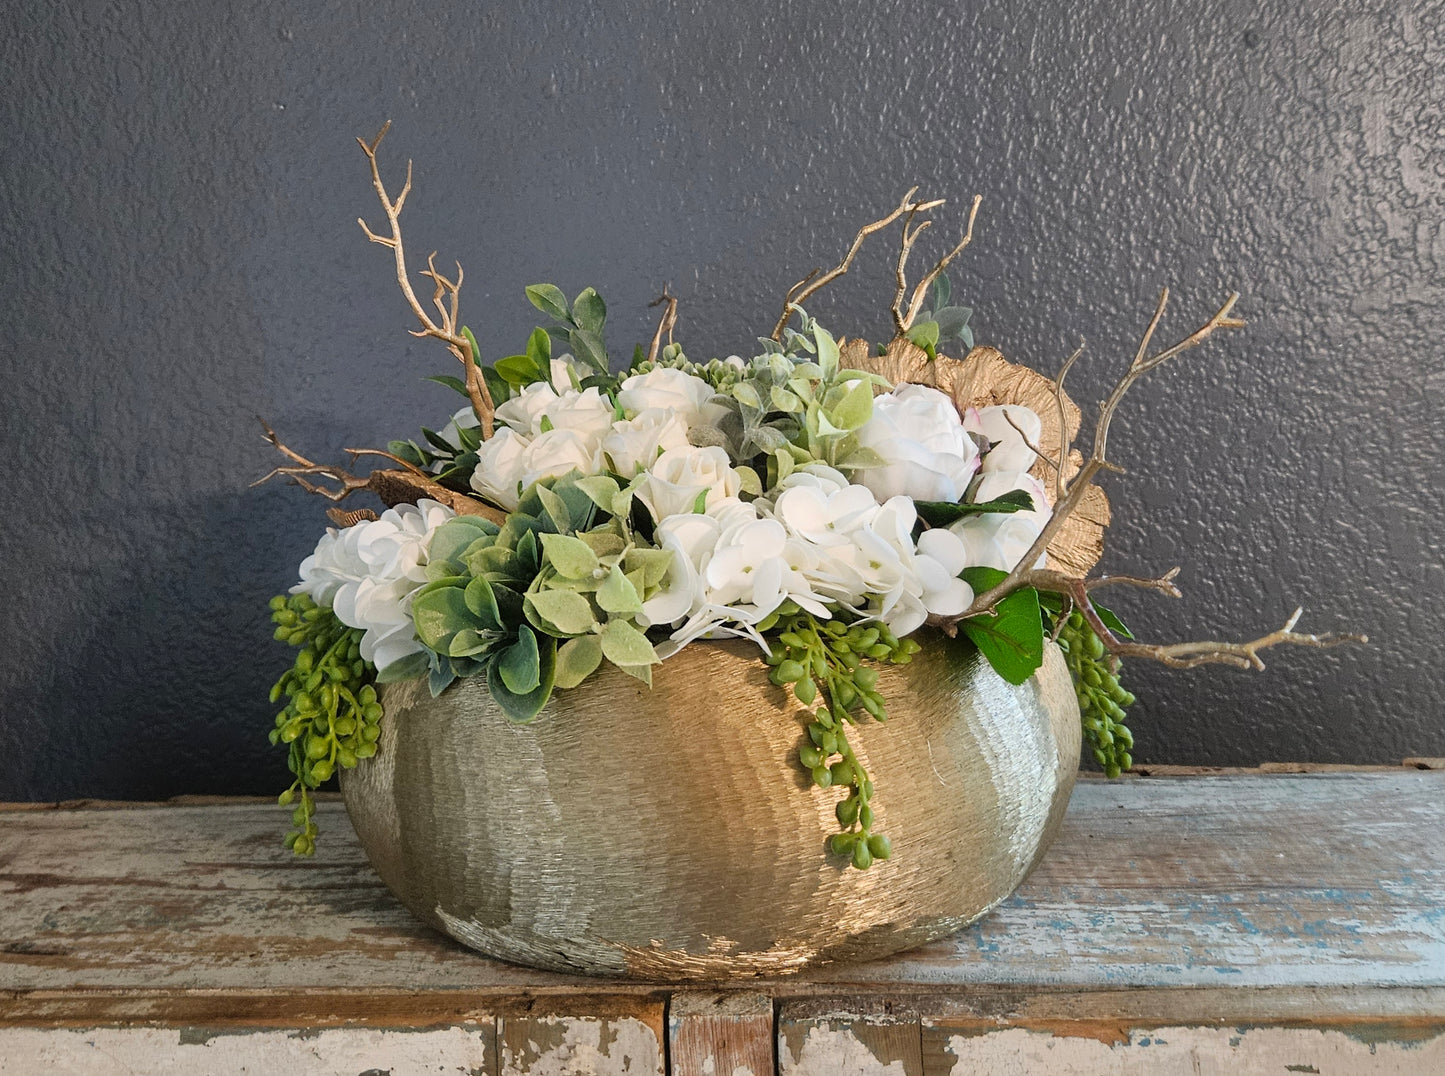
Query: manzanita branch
[[1074, 491], [817, 279], [445, 296], [1076, 591], [665, 324], [920, 293]]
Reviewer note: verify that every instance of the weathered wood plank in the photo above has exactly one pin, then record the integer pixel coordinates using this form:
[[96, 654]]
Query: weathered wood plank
[[189, 1051], [623, 1039], [1186, 1051], [1262, 880], [831, 1038], [720, 1034]]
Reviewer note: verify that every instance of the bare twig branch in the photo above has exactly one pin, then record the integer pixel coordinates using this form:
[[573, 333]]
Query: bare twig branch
[[304, 471], [1061, 485], [1035, 449], [446, 295], [665, 324], [905, 247], [1164, 584], [1097, 462], [920, 293], [815, 280]]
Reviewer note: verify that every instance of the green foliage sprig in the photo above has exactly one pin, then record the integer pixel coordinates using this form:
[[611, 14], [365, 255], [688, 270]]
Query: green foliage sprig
[[833, 654], [332, 717]]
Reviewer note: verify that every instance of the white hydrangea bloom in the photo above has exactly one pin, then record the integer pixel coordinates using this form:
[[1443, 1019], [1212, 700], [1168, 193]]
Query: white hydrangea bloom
[[368, 573]]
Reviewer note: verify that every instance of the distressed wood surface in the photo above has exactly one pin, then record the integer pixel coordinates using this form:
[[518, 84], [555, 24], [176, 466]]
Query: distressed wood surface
[[1194, 924], [1266, 880], [721, 1034]]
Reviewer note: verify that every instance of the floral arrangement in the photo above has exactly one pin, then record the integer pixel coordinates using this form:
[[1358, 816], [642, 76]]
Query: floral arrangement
[[840, 505]]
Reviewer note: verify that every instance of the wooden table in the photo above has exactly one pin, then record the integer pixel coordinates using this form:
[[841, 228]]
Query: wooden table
[[1227, 923]]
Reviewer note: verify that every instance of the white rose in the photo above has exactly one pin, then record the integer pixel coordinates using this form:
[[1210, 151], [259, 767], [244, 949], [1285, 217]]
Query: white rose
[[634, 444], [926, 452], [1010, 428], [558, 451], [566, 373], [500, 468], [680, 475], [666, 388], [587, 413], [523, 412]]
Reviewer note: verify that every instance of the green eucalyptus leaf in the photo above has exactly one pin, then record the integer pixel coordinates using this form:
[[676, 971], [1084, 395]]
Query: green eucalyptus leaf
[[456, 384], [861, 457], [1112, 621], [942, 290], [751, 484], [556, 510], [618, 596], [745, 393], [539, 350], [624, 645], [827, 350], [519, 664], [409, 451], [481, 599], [549, 299], [518, 370], [571, 557], [439, 612], [942, 513], [522, 708], [952, 321], [577, 659], [925, 335], [600, 489], [454, 537], [589, 348], [589, 312], [854, 409], [469, 642], [561, 612]]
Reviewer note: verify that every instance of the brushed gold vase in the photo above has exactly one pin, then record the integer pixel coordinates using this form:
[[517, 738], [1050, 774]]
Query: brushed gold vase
[[671, 833]]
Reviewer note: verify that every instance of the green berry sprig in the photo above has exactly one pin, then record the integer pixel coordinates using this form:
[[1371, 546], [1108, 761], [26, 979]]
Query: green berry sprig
[[807, 655], [1102, 701], [332, 716]]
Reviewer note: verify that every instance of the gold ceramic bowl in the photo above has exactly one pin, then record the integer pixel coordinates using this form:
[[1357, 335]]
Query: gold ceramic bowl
[[671, 833]]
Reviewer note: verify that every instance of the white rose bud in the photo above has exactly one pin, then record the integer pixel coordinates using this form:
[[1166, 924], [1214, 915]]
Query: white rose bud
[[666, 388], [500, 468], [635, 444], [587, 413], [523, 412], [558, 451], [679, 475]]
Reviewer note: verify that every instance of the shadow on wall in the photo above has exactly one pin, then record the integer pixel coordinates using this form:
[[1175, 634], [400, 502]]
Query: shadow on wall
[[133, 694]]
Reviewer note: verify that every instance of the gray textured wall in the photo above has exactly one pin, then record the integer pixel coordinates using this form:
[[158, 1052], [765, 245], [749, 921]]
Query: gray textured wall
[[178, 252]]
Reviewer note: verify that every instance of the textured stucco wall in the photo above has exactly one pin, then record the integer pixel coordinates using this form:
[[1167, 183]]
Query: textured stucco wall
[[178, 253]]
